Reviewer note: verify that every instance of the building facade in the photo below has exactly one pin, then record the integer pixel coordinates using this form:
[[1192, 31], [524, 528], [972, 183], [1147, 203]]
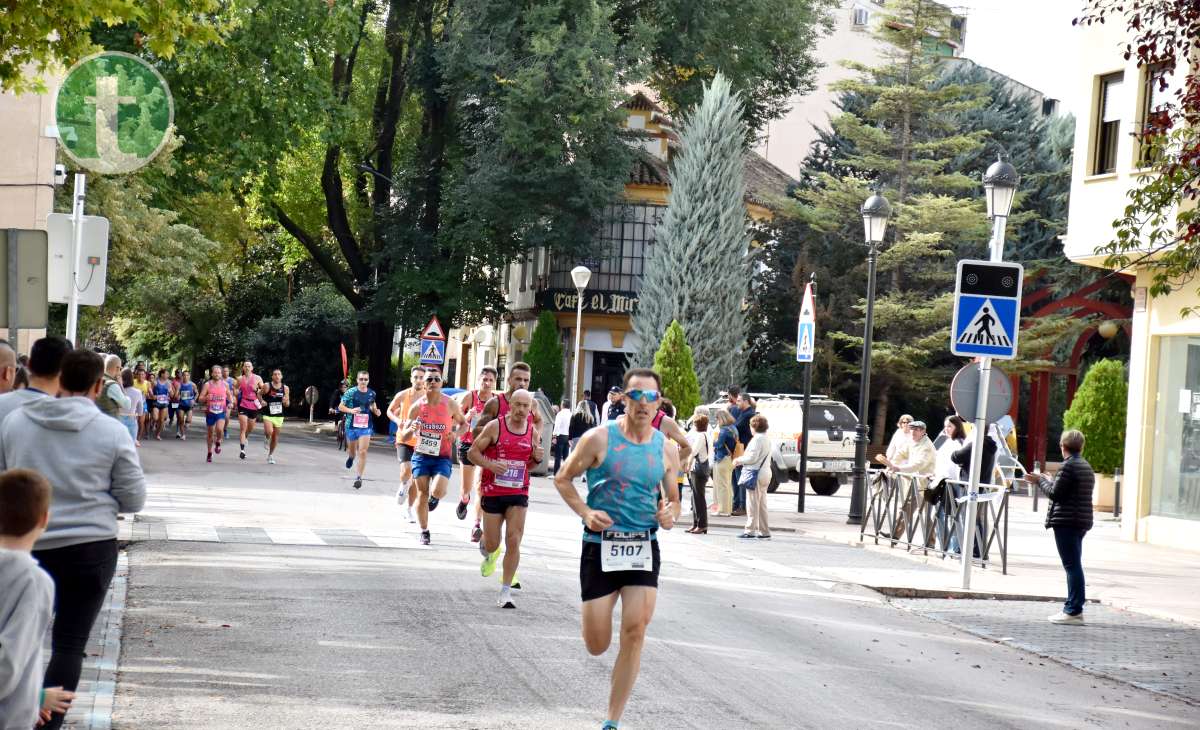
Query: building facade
[[542, 282], [27, 158], [1161, 486], [786, 141]]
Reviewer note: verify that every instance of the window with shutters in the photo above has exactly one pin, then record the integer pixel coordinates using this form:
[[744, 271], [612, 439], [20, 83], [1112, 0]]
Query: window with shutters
[[1154, 97], [861, 17], [1108, 122]]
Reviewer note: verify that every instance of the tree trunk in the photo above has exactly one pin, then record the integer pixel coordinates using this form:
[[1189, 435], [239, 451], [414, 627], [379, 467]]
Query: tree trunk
[[881, 415]]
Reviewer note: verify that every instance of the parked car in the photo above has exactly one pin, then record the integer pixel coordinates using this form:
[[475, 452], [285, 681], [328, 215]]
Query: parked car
[[830, 443]]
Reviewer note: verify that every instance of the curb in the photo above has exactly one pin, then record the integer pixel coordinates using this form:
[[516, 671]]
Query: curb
[[905, 592]]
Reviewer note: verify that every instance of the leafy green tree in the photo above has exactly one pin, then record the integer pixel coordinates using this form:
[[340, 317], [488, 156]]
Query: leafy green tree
[[698, 270], [906, 134], [413, 149], [302, 340], [673, 362], [545, 357], [46, 34], [1098, 411]]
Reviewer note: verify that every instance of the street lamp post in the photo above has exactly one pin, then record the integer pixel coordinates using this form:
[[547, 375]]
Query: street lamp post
[[875, 213], [581, 275], [1000, 187]]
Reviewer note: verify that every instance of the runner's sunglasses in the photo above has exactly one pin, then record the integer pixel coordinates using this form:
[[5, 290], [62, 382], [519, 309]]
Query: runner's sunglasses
[[644, 396]]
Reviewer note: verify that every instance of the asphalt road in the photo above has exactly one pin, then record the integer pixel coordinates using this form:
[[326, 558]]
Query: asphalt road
[[243, 634]]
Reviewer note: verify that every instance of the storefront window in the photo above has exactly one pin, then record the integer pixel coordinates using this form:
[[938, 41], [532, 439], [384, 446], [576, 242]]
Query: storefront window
[[1175, 481]]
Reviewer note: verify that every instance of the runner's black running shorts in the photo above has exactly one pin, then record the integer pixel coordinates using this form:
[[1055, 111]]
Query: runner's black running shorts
[[595, 583]]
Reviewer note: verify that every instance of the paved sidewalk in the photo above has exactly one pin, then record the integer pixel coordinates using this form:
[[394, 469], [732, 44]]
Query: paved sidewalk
[[1134, 576], [93, 705]]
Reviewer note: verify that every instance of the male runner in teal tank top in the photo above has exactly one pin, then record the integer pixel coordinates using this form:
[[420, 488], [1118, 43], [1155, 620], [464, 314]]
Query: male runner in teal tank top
[[627, 461]]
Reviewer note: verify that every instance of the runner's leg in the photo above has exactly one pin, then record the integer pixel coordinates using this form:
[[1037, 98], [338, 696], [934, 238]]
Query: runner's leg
[[364, 443], [514, 530], [637, 608], [492, 532], [422, 497], [440, 484], [244, 430], [597, 623]]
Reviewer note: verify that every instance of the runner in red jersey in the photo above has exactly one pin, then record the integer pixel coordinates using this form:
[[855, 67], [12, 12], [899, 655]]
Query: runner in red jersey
[[506, 451], [473, 403]]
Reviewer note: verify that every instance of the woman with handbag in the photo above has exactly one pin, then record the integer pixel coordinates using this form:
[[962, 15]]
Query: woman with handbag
[[755, 478], [722, 460], [698, 473]]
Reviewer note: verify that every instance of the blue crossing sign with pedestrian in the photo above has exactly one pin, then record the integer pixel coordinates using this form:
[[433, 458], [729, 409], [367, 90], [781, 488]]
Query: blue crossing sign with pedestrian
[[433, 352], [987, 309], [806, 328]]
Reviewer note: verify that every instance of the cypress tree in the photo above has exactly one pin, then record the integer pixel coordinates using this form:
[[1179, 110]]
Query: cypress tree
[[675, 365], [545, 357], [698, 270]]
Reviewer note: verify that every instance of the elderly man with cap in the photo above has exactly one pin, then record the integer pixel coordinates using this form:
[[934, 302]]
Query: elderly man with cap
[[920, 459]]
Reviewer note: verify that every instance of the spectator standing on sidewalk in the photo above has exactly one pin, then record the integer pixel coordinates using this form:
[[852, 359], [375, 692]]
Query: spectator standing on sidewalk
[[8, 367], [582, 419], [1070, 516], [756, 477], [918, 460], [901, 439], [562, 434], [745, 406], [698, 471], [615, 406], [112, 398], [722, 470], [94, 473], [26, 599], [45, 361]]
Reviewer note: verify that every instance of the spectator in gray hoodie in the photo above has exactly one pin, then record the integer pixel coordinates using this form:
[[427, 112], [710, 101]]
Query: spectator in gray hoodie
[[45, 361], [94, 473], [26, 596]]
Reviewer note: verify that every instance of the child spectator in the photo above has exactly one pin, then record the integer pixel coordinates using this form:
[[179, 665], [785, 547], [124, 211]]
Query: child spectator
[[26, 600]]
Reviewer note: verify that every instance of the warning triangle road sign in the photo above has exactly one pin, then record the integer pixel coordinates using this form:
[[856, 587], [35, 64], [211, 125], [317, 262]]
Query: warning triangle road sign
[[806, 306], [433, 330], [985, 328]]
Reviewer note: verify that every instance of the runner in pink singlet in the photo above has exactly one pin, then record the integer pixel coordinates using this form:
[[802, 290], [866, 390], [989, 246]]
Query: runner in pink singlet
[[249, 386], [473, 402], [217, 399], [506, 450]]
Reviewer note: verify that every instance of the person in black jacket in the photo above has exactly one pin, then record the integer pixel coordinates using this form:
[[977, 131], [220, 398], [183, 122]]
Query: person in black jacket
[[1070, 516]]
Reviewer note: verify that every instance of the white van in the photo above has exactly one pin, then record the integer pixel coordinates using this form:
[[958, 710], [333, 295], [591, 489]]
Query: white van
[[830, 444]]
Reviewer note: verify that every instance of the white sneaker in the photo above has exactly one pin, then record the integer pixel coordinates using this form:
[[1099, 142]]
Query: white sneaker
[[1066, 618], [401, 493], [411, 517], [270, 459], [505, 600]]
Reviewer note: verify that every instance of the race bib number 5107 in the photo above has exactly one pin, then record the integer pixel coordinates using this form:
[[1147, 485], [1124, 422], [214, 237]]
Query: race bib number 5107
[[625, 551]]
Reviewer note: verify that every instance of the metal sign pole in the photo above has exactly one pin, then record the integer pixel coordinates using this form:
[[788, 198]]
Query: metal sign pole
[[985, 381], [13, 295], [808, 366], [76, 245]]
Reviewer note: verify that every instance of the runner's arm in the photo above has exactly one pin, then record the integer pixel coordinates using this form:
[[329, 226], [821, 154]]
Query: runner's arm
[[375, 409], [586, 454], [203, 397], [489, 414], [343, 408], [460, 421], [393, 410], [675, 432], [409, 425], [287, 397], [481, 442], [669, 512]]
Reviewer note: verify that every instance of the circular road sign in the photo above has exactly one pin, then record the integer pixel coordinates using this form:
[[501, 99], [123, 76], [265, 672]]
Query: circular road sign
[[114, 113], [964, 393]]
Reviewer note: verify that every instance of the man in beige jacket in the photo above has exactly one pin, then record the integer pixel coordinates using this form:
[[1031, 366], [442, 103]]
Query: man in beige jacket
[[920, 460]]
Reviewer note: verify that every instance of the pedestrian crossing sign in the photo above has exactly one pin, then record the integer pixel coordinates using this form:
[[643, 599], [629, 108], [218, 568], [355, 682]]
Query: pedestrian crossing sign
[[987, 309], [806, 328], [433, 352]]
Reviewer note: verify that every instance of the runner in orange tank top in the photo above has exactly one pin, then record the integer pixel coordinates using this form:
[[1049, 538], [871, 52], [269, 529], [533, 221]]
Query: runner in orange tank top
[[398, 411], [435, 421]]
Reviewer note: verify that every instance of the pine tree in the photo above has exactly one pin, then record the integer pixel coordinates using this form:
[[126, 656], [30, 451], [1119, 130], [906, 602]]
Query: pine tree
[[698, 270], [675, 365], [906, 134], [545, 357]]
